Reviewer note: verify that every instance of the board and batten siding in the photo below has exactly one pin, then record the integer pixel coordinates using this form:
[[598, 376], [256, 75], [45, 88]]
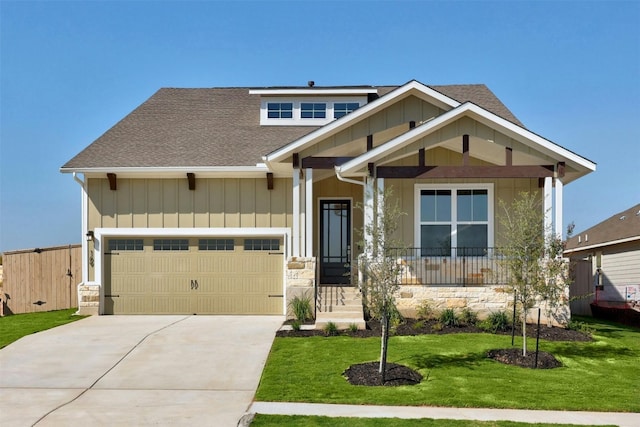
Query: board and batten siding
[[168, 203]]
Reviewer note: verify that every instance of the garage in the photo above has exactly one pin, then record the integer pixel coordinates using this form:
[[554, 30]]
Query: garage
[[193, 275]]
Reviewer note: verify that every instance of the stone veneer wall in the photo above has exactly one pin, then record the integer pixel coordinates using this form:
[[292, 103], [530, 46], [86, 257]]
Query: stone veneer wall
[[482, 300], [88, 299], [301, 280]]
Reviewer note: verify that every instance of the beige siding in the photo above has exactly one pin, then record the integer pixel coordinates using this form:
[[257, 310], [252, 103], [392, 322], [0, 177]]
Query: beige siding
[[404, 111], [504, 189], [168, 203]]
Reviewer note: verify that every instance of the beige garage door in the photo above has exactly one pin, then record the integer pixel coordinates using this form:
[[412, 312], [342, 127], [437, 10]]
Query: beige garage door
[[194, 276]]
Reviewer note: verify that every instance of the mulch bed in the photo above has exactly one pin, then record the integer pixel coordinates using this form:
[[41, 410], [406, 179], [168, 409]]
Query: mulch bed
[[367, 373], [513, 356], [414, 327]]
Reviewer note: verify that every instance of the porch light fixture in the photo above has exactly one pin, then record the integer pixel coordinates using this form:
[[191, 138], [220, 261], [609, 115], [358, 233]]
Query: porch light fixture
[[89, 236]]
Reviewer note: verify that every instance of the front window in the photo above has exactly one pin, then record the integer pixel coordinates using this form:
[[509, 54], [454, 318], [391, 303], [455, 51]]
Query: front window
[[454, 220], [313, 110]]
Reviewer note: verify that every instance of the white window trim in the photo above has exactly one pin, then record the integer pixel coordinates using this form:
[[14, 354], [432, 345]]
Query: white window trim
[[455, 187], [297, 120]]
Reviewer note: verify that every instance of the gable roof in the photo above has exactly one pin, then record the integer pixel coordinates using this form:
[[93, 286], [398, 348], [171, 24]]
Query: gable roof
[[582, 165], [217, 128], [619, 228]]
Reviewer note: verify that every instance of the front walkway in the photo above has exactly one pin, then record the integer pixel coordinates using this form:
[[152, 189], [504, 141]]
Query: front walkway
[[480, 414]]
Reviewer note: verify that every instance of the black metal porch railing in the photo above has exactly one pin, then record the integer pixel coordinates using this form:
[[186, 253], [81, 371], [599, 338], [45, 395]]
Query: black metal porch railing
[[449, 266]]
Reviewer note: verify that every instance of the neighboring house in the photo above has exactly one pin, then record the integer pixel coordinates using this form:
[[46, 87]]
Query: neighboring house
[[612, 251], [232, 200]]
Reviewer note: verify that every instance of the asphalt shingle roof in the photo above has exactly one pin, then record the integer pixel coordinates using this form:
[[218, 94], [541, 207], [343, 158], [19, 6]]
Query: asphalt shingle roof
[[216, 127], [621, 226]]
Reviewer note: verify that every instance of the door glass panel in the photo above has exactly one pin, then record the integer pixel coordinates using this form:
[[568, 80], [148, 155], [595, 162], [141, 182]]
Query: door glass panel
[[335, 229]]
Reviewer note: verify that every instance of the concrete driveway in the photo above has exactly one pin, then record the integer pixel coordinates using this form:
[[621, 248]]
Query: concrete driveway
[[136, 370]]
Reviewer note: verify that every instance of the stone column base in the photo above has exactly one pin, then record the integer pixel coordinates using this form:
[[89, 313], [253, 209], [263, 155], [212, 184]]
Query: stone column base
[[88, 299]]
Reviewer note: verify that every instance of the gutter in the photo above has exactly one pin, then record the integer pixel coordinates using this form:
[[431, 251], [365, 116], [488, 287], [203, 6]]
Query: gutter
[[350, 181]]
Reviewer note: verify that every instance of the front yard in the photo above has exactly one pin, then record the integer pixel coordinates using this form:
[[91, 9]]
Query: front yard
[[16, 326], [602, 375]]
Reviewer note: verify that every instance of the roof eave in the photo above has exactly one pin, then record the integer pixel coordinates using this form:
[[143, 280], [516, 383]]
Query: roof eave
[[482, 115], [226, 171], [603, 244]]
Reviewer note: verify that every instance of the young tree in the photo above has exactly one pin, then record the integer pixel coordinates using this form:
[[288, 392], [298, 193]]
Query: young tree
[[380, 267], [532, 257]]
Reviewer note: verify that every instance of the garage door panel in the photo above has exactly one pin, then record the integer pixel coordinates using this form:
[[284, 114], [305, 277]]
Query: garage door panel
[[206, 280]]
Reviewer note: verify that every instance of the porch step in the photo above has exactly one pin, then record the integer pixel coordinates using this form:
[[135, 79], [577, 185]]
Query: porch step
[[341, 305]]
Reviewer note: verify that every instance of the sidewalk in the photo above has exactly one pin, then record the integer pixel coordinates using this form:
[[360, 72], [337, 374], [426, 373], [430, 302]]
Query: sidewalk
[[481, 414]]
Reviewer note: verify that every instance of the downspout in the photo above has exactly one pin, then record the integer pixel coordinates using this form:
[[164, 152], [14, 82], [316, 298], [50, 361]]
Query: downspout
[[85, 245], [350, 181]]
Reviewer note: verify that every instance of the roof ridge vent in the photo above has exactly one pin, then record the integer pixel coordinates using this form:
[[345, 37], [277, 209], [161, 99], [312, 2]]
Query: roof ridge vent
[[311, 83]]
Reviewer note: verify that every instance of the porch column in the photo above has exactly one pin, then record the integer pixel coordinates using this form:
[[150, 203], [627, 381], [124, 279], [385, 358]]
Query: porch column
[[303, 214], [379, 201], [296, 213], [308, 194], [548, 205], [368, 193], [559, 208]]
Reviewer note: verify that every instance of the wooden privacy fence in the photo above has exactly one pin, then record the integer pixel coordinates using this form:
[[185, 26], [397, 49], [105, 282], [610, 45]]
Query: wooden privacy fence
[[581, 288], [41, 279]]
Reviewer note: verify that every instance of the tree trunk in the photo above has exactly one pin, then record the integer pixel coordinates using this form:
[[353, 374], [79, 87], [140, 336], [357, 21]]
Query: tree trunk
[[383, 347]]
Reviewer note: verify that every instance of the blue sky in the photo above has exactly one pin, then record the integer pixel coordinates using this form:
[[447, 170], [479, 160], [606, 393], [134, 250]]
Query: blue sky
[[569, 70]]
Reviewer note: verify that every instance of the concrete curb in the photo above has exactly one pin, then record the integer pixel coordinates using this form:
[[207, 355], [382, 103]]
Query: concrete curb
[[621, 419]]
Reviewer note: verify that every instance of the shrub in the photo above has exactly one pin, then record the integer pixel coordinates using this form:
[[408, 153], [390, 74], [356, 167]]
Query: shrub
[[448, 317], [296, 325], [418, 325], [330, 329], [425, 311], [353, 327], [576, 325], [498, 321], [301, 308], [468, 317], [437, 327]]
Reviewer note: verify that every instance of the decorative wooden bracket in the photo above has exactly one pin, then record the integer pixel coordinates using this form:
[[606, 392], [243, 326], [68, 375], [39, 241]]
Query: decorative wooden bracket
[[113, 184], [269, 181], [191, 177]]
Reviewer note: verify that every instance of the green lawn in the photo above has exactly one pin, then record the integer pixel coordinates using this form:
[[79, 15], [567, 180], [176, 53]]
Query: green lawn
[[16, 326], [302, 421], [603, 375]]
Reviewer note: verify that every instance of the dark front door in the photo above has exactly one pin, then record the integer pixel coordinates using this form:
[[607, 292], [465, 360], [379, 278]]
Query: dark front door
[[335, 241]]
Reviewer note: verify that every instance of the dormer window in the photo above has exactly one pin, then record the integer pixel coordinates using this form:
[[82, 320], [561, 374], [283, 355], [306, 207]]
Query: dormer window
[[309, 106], [343, 108], [280, 110], [312, 110]]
